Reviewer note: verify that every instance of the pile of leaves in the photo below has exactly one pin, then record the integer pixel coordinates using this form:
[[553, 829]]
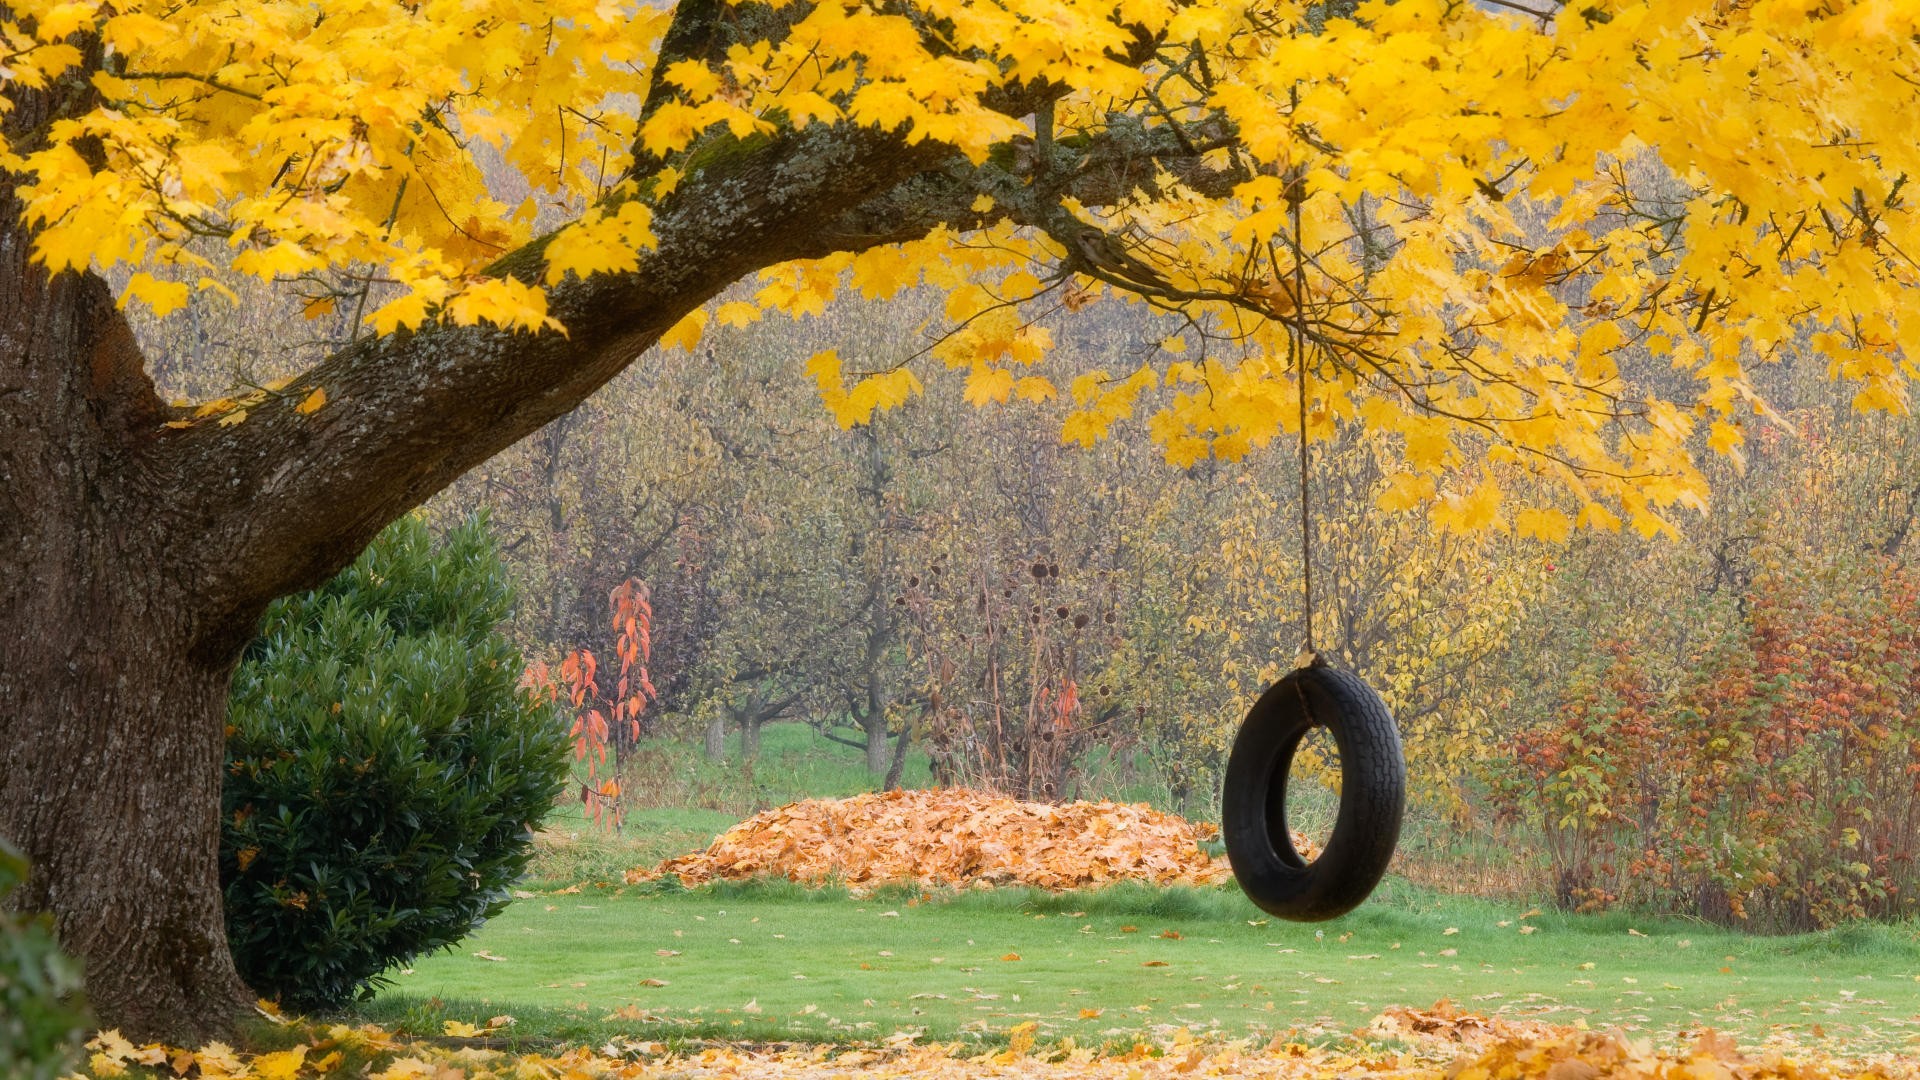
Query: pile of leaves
[[954, 837], [1425, 1045]]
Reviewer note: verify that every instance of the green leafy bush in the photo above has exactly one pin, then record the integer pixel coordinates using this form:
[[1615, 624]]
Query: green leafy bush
[[385, 770], [41, 1015]]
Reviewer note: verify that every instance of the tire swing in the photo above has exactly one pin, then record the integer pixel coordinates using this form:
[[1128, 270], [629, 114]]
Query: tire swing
[[1373, 775], [1373, 789]]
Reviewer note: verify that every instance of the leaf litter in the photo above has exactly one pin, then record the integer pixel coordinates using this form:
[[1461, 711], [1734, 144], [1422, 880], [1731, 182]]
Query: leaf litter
[[1440, 1043], [957, 838]]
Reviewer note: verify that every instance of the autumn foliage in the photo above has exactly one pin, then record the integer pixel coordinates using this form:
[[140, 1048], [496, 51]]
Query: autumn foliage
[[954, 838], [603, 717], [1440, 1043], [1776, 784]]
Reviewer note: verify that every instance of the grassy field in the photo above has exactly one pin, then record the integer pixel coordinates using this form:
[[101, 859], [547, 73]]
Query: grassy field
[[774, 962], [581, 956]]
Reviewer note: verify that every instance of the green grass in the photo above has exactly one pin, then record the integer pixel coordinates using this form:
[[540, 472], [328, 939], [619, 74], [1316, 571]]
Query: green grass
[[773, 961]]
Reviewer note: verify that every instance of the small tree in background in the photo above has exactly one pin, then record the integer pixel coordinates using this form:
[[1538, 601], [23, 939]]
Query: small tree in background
[[599, 719], [385, 771]]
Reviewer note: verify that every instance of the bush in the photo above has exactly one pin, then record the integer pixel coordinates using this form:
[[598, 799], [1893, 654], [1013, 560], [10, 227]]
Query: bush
[[1774, 784], [41, 1015], [385, 770]]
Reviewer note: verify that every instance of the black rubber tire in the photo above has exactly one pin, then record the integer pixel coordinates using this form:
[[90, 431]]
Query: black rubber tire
[[1373, 795]]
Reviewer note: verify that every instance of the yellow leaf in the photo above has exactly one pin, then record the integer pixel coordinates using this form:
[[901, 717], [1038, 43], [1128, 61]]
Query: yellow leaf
[[1034, 388], [686, 333], [1594, 515], [280, 1065], [312, 402], [505, 303], [736, 313], [163, 297], [986, 384], [237, 416], [1545, 524], [405, 311], [62, 19], [1404, 491]]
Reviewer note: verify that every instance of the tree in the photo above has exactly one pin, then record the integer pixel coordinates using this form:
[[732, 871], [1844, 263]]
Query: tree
[[1433, 211]]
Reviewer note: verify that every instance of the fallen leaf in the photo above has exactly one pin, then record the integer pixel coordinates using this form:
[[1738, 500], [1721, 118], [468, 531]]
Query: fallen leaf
[[952, 837]]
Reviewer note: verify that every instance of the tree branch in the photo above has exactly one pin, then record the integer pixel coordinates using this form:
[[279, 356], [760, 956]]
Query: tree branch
[[283, 500]]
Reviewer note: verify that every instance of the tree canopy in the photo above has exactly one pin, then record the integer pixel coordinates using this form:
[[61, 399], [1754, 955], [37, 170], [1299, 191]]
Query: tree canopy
[[1465, 216]]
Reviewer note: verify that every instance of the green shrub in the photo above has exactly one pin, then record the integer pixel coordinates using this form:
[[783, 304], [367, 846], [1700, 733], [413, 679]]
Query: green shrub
[[385, 770], [41, 1015]]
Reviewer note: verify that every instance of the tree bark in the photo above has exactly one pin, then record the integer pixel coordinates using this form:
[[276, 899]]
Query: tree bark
[[111, 726], [750, 723], [877, 757], [899, 764]]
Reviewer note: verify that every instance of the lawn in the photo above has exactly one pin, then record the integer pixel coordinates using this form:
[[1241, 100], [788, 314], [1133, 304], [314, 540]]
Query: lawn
[[771, 962]]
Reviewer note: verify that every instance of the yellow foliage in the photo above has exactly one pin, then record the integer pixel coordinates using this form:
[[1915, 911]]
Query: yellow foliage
[[1439, 234]]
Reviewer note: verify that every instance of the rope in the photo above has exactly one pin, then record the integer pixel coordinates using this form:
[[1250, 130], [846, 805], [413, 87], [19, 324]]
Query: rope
[[1297, 356]]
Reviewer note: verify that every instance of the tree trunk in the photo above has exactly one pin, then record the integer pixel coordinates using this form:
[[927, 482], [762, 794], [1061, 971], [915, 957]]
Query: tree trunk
[[750, 735], [121, 819], [112, 711], [875, 723], [899, 764], [716, 739]]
